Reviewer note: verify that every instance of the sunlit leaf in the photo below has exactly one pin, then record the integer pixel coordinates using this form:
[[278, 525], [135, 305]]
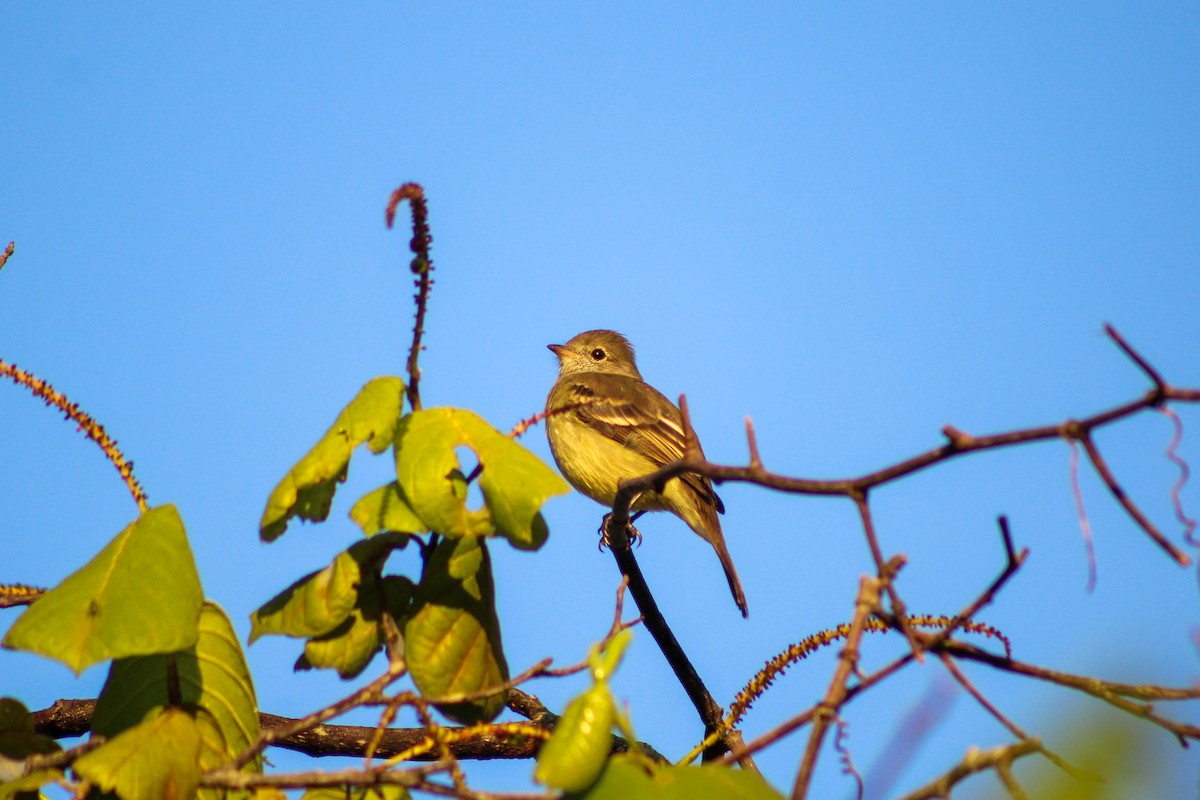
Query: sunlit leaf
[[307, 489], [385, 509], [579, 746], [313, 605], [139, 595], [351, 646], [212, 675], [452, 638], [157, 758], [515, 483], [626, 778]]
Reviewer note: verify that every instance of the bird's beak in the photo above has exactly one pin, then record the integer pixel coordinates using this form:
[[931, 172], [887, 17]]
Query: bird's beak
[[564, 354]]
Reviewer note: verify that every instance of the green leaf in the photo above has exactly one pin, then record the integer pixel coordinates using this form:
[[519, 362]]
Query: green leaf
[[155, 759], [307, 490], [385, 509], [452, 639], [212, 676], [351, 646], [138, 595], [625, 778], [313, 605], [18, 737], [579, 746], [322, 601], [515, 482]]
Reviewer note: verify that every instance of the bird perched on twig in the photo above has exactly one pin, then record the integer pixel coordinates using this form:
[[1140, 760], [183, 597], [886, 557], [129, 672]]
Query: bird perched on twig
[[605, 423]]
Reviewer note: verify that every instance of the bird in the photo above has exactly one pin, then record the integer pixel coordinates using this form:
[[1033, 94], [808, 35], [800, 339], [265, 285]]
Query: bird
[[605, 423]]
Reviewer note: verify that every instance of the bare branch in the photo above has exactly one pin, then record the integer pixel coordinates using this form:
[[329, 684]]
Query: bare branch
[[865, 605]]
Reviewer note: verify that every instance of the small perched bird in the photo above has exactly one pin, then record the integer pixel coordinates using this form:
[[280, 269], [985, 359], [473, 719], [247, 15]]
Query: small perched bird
[[605, 423]]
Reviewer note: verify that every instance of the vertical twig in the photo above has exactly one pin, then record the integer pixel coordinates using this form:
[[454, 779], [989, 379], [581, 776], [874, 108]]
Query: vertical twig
[[866, 604], [421, 266]]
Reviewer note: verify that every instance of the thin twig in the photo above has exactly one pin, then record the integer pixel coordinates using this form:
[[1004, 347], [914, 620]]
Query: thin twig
[[1160, 385], [865, 605], [886, 571], [353, 700], [8, 251], [974, 762], [1130, 507]]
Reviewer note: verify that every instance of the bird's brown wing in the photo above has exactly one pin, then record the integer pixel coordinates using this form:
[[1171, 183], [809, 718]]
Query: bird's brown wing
[[651, 425]]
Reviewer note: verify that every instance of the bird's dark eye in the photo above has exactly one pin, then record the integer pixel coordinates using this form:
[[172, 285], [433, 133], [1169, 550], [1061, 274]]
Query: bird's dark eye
[[598, 354]]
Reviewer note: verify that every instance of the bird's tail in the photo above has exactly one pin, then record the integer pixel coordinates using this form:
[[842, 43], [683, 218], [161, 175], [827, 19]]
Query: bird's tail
[[716, 538], [700, 514], [735, 585]]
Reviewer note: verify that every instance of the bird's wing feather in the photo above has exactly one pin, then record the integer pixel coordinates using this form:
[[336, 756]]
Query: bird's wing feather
[[652, 425]]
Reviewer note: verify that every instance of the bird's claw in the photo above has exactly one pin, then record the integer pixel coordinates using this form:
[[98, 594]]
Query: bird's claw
[[635, 537]]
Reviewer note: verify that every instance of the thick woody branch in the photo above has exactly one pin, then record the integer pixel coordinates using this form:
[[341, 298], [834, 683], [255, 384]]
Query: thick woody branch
[[71, 718]]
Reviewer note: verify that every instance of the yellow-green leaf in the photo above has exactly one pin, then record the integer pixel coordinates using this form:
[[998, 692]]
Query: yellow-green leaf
[[18, 737], [139, 595], [351, 646], [212, 676], [157, 758], [515, 483], [626, 778], [307, 490], [385, 509], [321, 602], [313, 605], [579, 746], [452, 639]]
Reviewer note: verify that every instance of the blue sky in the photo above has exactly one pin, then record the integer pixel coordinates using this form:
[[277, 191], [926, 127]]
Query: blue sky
[[854, 225]]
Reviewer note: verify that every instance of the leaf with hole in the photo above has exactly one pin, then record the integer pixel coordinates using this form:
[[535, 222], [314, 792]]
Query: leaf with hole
[[514, 482]]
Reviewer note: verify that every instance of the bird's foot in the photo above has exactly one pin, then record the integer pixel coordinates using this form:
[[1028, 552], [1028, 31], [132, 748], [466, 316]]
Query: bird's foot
[[635, 537]]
